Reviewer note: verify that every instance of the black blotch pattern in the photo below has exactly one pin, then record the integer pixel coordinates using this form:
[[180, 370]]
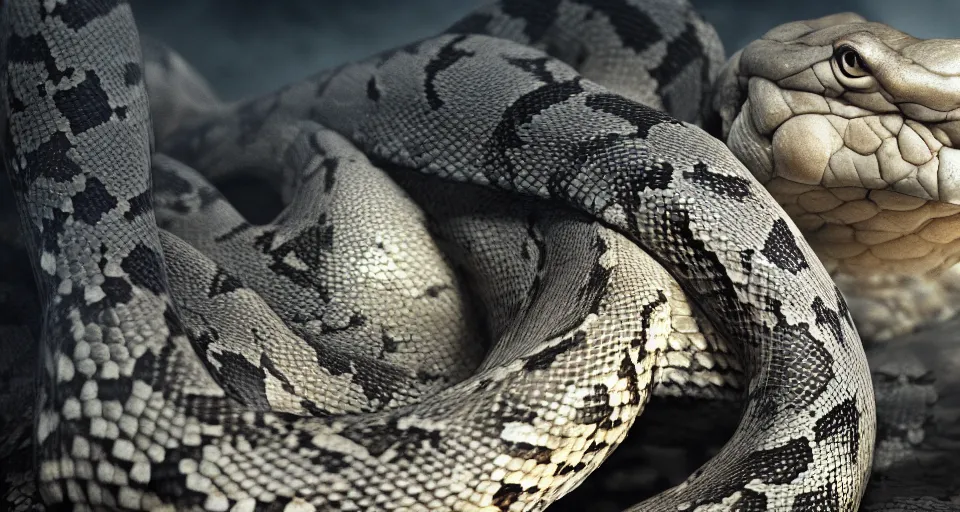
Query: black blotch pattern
[[803, 362], [154, 365], [223, 282], [514, 410], [132, 74], [16, 105], [116, 290], [646, 314], [434, 291], [597, 279], [541, 454], [33, 49], [682, 52], [115, 389], [242, 379], [312, 246], [144, 267], [842, 309], [841, 422], [379, 380], [746, 260], [76, 15], [332, 462], [637, 114], [826, 317], [445, 58], [329, 163], [372, 91], [536, 67], [798, 360], [635, 171], [543, 359], [780, 465], [596, 407], [51, 161], [538, 16], [121, 112], [390, 344], [595, 445], [506, 135], [655, 176], [268, 365], [506, 495], [139, 205], [535, 237], [563, 468], [407, 442], [166, 479], [718, 294], [52, 228], [597, 410], [635, 29], [204, 337], [594, 147], [93, 202], [175, 328], [823, 499], [85, 105], [750, 501], [782, 250], [733, 187], [330, 176], [314, 409]]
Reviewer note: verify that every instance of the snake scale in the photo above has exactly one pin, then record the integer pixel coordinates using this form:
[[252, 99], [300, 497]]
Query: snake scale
[[331, 358]]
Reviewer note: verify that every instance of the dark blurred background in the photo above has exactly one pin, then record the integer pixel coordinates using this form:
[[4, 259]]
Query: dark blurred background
[[249, 46]]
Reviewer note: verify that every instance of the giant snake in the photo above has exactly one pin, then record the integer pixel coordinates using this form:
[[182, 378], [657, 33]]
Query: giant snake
[[496, 245]]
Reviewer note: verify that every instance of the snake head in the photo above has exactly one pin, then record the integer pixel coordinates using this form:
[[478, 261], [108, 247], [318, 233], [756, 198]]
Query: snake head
[[854, 127]]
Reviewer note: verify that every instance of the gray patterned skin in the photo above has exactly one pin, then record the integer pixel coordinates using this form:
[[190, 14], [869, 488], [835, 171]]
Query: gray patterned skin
[[580, 216]]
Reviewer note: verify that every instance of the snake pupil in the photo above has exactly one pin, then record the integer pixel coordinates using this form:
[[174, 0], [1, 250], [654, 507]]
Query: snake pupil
[[850, 58], [850, 62]]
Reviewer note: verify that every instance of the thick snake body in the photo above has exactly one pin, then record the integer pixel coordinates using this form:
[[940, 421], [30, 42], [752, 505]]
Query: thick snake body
[[177, 364]]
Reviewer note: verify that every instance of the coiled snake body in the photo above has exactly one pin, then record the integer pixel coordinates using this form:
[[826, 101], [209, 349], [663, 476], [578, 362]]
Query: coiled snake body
[[328, 359]]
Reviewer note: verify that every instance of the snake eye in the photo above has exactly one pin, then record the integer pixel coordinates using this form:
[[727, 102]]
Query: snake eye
[[850, 63]]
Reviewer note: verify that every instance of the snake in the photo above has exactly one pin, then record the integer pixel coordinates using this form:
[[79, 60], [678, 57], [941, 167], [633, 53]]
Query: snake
[[874, 191], [551, 158]]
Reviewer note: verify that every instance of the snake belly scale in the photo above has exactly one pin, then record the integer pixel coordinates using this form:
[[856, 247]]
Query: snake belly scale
[[171, 359]]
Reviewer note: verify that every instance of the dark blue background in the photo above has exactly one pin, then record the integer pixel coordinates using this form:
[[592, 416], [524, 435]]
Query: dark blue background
[[249, 46]]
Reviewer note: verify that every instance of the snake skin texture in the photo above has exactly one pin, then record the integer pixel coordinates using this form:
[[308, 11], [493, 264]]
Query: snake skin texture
[[853, 127], [331, 358]]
